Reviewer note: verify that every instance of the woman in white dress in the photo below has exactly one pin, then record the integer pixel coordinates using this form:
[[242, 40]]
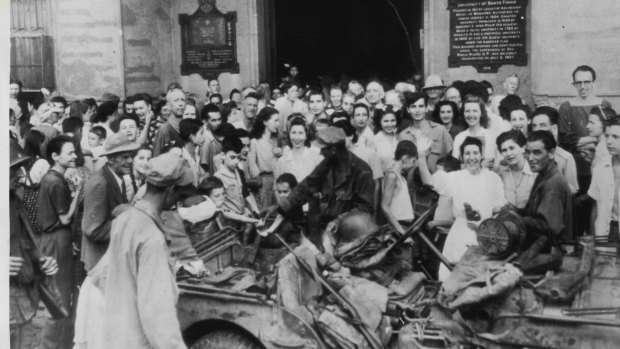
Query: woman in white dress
[[386, 139], [298, 158], [477, 120], [476, 194]]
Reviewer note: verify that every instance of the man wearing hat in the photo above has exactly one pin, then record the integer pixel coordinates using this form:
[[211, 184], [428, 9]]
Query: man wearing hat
[[105, 190], [433, 87], [23, 259], [342, 181], [140, 292]]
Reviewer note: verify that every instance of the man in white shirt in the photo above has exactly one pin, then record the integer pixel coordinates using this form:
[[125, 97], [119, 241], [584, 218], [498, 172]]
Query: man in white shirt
[[605, 188]]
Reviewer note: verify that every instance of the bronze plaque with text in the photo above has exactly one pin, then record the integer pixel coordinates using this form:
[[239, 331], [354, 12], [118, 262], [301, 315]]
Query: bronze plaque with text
[[487, 34], [209, 44]]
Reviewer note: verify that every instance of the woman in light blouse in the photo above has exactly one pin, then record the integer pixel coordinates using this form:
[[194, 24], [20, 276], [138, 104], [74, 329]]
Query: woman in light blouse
[[264, 151], [517, 177], [298, 158], [386, 139], [476, 117]]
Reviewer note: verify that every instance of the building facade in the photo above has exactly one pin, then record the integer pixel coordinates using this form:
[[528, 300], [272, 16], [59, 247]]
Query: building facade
[[85, 48]]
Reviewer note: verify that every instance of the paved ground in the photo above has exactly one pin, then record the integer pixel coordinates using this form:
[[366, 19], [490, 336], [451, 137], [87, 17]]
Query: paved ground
[[33, 334]]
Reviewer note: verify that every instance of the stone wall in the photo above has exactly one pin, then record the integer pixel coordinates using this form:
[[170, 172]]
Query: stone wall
[[88, 48], [131, 46], [569, 33], [147, 33]]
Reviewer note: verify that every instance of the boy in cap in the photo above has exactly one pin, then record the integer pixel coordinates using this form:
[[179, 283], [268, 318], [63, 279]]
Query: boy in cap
[[105, 190], [140, 292]]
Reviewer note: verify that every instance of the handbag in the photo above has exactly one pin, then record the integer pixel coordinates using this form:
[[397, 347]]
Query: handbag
[[31, 204]]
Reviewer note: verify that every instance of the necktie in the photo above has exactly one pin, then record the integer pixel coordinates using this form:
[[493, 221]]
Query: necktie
[[124, 191]]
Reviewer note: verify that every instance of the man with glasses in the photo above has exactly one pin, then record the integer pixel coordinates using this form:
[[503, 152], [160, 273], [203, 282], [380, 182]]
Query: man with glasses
[[572, 127]]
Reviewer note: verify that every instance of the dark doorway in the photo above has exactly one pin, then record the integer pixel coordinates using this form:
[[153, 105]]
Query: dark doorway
[[344, 39]]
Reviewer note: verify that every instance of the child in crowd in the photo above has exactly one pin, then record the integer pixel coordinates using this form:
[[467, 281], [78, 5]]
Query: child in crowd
[[395, 201], [213, 188], [204, 214], [237, 197], [96, 137], [290, 228]]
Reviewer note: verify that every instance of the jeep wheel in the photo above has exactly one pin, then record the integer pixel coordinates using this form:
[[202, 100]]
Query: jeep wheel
[[225, 339]]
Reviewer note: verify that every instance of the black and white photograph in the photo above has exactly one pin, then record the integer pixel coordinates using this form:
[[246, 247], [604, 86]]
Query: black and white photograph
[[310, 174]]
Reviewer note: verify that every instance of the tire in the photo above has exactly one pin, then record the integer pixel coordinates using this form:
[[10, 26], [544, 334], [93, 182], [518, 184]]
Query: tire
[[225, 339]]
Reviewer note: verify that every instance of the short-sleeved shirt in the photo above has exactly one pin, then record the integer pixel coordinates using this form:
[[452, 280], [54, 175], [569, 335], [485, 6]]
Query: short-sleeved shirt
[[54, 200], [208, 150], [441, 141], [605, 191], [167, 133], [443, 212], [234, 191], [261, 158]]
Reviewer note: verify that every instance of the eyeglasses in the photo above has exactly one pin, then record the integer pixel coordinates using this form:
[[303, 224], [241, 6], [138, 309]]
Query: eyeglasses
[[582, 83]]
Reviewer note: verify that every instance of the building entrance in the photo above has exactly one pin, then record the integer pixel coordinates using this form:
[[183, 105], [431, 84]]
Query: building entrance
[[343, 39]]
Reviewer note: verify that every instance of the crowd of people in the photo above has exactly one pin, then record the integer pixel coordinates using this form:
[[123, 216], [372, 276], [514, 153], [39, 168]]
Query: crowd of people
[[92, 178]]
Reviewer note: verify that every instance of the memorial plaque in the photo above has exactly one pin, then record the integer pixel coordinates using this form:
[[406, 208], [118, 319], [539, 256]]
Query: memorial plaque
[[209, 44], [487, 34]]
